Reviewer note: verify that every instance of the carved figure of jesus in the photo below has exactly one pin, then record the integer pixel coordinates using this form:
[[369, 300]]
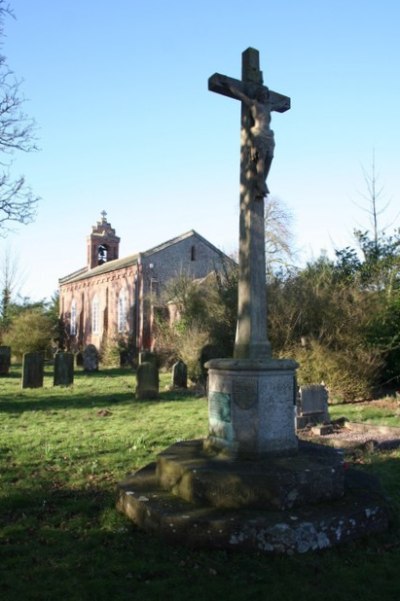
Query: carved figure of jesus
[[262, 136]]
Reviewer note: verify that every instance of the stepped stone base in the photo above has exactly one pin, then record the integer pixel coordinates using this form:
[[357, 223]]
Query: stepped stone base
[[191, 471], [282, 505]]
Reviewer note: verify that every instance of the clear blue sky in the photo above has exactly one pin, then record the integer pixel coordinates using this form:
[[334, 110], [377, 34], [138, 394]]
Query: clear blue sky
[[126, 123]]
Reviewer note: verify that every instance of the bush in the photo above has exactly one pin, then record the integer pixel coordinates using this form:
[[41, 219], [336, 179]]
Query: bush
[[328, 323], [32, 330], [190, 351], [205, 320], [117, 352], [348, 374]]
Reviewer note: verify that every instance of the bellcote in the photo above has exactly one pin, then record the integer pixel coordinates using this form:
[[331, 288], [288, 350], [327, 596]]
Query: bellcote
[[102, 243]]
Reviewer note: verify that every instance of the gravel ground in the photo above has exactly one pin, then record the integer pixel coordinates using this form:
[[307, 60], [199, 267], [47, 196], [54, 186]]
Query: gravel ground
[[345, 434]]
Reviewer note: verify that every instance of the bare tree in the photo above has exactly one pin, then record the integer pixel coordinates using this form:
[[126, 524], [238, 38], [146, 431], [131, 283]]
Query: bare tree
[[375, 204], [278, 234], [11, 279], [17, 133]]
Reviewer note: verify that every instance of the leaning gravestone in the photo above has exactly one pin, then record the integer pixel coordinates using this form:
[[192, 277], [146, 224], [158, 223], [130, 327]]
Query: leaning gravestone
[[251, 484], [33, 370], [179, 375], [5, 360], [147, 381], [63, 369], [90, 358]]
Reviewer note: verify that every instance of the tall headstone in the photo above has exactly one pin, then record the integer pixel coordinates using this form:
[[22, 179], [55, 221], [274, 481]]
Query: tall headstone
[[251, 397], [5, 360], [147, 381], [63, 369], [33, 370]]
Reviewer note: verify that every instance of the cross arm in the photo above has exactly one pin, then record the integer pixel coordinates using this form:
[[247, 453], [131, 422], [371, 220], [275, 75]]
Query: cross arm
[[221, 84], [279, 102]]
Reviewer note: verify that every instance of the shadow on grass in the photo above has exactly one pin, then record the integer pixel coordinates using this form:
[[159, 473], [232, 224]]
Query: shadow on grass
[[53, 398], [54, 402], [71, 544]]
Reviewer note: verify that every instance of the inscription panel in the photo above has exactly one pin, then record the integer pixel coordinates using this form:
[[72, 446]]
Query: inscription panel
[[245, 392]]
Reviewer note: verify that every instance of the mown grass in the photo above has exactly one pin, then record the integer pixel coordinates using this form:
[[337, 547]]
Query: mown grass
[[62, 451]]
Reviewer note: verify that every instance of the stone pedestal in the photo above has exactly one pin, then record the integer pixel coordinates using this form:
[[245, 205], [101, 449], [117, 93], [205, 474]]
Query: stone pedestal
[[252, 406]]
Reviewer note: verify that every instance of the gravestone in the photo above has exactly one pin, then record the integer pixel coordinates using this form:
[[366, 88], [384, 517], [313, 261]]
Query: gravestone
[[147, 381], [33, 370], [148, 357], [90, 357], [63, 369], [251, 485], [5, 360], [312, 405], [179, 375]]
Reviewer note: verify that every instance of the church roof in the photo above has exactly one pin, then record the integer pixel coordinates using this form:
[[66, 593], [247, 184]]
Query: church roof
[[85, 272]]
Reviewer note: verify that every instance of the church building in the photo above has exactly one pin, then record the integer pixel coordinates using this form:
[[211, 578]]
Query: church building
[[112, 298]]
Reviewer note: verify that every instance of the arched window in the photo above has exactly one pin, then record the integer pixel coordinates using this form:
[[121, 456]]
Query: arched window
[[72, 325], [95, 315], [122, 311]]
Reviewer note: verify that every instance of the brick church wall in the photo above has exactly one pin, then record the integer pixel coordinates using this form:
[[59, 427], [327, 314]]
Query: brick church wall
[[143, 277]]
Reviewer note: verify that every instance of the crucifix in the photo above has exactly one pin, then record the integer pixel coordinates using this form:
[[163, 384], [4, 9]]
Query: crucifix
[[256, 154]]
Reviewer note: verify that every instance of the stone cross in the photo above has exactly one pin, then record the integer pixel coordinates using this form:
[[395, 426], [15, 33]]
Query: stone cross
[[256, 155]]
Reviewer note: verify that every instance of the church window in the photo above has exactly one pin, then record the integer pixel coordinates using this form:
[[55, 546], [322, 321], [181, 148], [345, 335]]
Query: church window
[[95, 315], [122, 311], [72, 327], [193, 253]]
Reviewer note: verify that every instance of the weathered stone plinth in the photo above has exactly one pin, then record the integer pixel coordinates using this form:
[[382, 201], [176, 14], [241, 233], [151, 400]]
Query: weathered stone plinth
[[193, 498], [191, 472], [251, 406]]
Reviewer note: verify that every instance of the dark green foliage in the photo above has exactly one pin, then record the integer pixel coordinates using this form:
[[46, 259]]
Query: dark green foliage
[[341, 319], [31, 330]]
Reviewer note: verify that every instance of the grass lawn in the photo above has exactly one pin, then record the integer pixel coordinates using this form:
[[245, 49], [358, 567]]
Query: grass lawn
[[62, 450]]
